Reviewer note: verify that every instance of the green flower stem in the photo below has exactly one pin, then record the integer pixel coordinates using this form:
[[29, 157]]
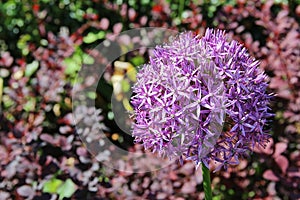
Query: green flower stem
[[206, 182]]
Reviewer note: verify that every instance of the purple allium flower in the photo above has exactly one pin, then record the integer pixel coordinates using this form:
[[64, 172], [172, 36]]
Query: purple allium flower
[[202, 99]]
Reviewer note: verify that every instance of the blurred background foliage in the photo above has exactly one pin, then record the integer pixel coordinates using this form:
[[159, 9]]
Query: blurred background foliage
[[44, 43]]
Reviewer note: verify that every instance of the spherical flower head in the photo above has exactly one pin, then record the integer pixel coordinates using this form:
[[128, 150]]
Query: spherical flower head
[[202, 99]]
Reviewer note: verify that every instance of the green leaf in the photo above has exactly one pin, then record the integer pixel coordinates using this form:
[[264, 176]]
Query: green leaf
[[125, 85], [31, 68], [138, 60], [131, 74], [219, 197], [22, 44], [101, 35], [7, 101], [52, 186], [72, 65], [127, 105], [87, 59], [92, 95], [90, 38], [30, 105], [67, 189]]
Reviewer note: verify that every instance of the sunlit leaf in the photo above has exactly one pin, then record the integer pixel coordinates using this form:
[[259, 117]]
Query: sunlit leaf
[[125, 85], [127, 105], [123, 65], [30, 105], [269, 175], [92, 37], [31, 68], [131, 74], [138, 60], [101, 34], [67, 189], [72, 66], [92, 95], [87, 59], [52, 185]]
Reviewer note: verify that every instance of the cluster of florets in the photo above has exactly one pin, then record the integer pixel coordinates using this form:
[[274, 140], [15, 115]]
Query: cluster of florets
[[202, 99]]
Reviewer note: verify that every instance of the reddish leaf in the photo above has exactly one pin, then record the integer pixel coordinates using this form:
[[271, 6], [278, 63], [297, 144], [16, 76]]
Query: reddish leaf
[[143, 20], [269, 175], [188, 187], [4, 195], [47, 138], [132, 14], [187, 169], [157, 8], [6, 59], [282, 162], [104, 23], [3, 155], [65, 129], [117, 28], [81, 151], [25, 191], [271, 189], [294, 174], [38, 120], [161, 195], [279, 149], [68, 119], [173, 176]]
